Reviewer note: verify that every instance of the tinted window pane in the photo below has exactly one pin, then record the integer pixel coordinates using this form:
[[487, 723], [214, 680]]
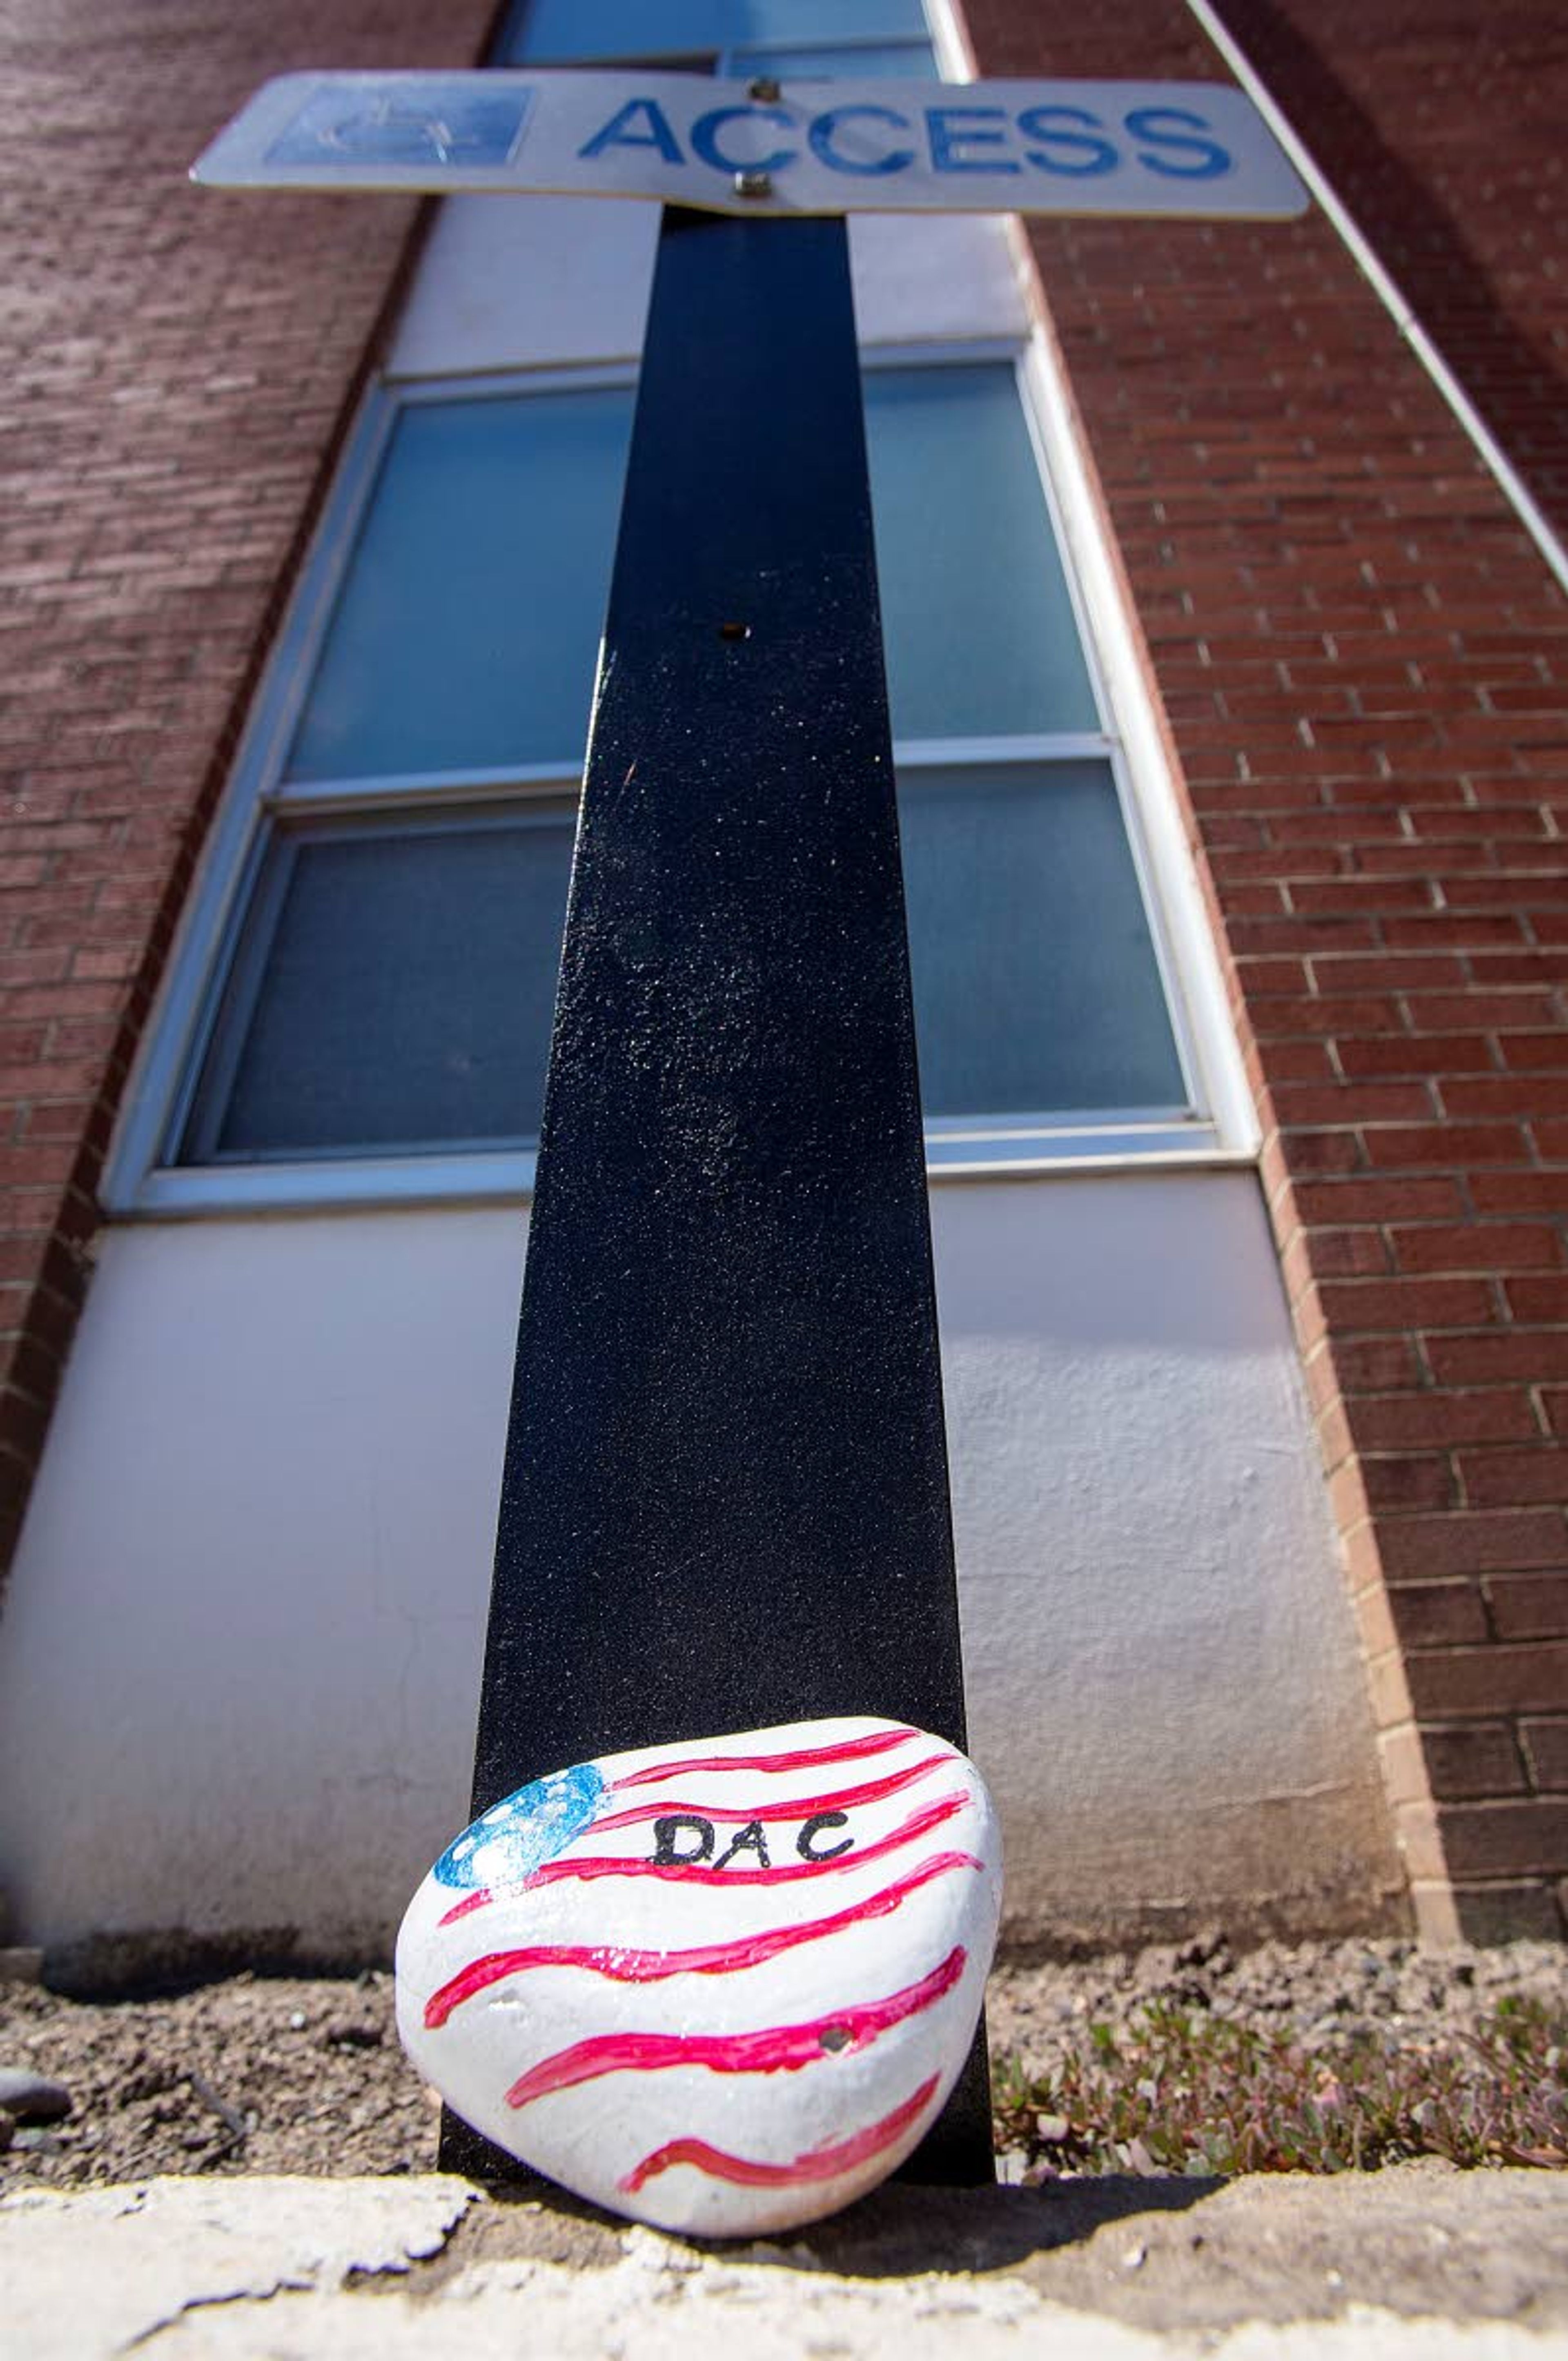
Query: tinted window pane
[[466, 634], [395, 991], [556, 31], [981, 635], [396, 985], [468, 631], [1035, 987]]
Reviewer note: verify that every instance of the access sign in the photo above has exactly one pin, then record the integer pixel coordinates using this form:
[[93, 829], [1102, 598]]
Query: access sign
[[762, 147]]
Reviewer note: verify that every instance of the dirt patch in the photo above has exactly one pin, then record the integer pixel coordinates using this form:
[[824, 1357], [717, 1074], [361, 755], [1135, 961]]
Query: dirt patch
[[260, 2074], [251, 2074], [1392, 1991]]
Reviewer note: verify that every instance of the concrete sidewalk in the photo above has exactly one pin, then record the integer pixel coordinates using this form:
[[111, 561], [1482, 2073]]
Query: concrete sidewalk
[[1423, 2264]]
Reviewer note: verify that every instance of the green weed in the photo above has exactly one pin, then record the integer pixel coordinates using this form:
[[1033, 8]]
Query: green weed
[[1183, 2091]]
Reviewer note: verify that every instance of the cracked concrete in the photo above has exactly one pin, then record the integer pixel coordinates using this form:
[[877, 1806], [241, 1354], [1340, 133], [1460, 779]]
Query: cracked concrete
[[118, 2270], [1420, 2264]]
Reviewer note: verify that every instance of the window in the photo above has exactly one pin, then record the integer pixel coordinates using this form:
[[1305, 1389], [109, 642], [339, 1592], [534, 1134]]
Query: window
[[393, 988], [804, 38], [385, 974], [361, 1004], [381, 981], [1037, 982]]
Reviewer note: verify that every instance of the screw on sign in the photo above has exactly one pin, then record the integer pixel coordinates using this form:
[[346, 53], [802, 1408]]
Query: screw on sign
[[724, 1502]]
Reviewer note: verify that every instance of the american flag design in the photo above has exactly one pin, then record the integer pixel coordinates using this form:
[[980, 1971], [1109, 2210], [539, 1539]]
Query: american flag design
[[723, 1986]]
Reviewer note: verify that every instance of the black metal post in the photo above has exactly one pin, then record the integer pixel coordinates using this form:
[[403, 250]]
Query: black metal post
[[725, 1501]]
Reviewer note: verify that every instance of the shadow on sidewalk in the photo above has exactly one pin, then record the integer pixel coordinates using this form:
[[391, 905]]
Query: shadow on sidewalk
[[898, 2231]]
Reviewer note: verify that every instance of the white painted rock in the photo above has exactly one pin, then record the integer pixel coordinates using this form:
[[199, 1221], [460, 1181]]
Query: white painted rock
[[722, 1986]]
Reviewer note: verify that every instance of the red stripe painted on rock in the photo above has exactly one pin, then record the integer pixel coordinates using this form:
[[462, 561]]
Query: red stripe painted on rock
[[930, 1816], [851, 1750], [817, 2164], [461, 1909], [630, 1967], [773, 2049], [794, 1808]]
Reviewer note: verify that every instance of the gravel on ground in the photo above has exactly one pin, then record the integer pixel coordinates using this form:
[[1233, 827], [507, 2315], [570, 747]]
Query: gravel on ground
[[260, 2074], [1402, 1993]]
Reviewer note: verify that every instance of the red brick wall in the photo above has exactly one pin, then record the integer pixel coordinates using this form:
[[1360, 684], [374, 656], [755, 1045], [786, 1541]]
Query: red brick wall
[[1363, 665], [177, 365], [1362, 659]]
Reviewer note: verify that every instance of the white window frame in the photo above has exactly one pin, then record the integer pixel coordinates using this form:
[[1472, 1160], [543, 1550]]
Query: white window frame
[[1216, 1126]]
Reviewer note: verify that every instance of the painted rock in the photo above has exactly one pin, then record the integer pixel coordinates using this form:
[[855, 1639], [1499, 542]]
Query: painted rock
[[723, 1986]]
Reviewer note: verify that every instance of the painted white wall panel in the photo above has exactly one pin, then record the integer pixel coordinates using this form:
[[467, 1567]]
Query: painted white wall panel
[[1163, 1678], [240, 1653], [557, 280]]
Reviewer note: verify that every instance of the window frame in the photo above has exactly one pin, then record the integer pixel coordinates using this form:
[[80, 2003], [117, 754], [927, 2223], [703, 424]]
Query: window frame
[[141, 1178]]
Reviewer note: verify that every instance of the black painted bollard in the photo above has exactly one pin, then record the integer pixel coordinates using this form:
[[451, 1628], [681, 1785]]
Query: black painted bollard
[[725, 1499]]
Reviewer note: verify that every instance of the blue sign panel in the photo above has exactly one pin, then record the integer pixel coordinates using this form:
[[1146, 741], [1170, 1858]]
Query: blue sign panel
[[447, 121]]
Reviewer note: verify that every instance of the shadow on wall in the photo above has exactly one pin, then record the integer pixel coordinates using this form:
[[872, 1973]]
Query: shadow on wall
[[1513, 380]]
